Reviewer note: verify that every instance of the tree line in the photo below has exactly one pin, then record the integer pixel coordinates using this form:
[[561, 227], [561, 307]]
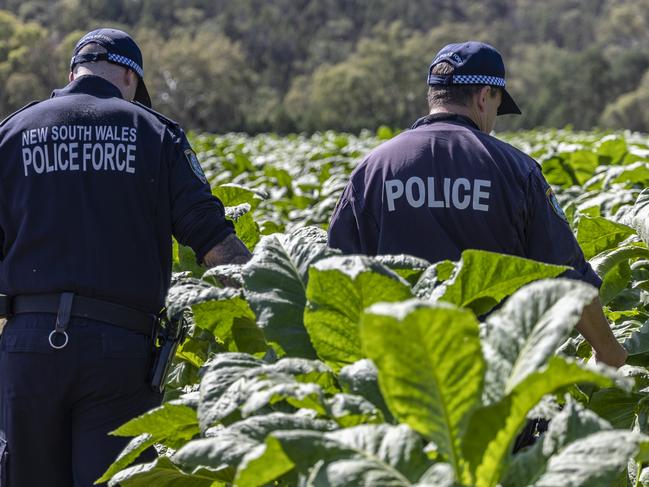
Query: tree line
[[308, 65]]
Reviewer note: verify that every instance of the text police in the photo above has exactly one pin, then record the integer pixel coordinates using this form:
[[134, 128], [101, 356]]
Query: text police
[[460, 193]]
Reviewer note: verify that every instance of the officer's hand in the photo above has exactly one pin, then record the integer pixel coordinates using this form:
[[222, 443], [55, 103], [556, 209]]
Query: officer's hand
[[596, 329], [230, 251], [615, 357]]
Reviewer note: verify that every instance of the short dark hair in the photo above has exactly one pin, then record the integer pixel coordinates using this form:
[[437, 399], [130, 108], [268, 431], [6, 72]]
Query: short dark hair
[[439, 95]]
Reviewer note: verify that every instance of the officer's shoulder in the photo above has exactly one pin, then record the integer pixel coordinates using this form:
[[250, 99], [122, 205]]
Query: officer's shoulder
[[514, 153], [19, 111], [171, 124], [405, 139]]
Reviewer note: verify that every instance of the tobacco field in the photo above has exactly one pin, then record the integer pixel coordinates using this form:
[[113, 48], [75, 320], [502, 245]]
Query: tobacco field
[[308, 368]]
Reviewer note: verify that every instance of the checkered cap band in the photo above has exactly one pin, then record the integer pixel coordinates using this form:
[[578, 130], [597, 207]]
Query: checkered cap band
[[124, 61], [477, 79]]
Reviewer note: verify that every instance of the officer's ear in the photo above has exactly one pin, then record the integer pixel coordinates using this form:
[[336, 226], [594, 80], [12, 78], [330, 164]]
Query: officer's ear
[[483, 95], [130, 81], [130, 78], [71, 77]]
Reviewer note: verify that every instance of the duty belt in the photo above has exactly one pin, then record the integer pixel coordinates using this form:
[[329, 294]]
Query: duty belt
[[66, 305]]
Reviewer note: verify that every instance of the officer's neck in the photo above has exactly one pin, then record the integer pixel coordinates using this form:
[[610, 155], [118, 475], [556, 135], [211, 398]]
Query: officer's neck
[[463, 110]]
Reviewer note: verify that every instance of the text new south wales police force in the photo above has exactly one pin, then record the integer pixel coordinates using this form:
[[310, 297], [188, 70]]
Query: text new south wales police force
[[79, 148]]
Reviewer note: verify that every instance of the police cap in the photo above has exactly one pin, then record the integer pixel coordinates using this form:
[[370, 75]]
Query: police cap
[[474, 63], [120, 49]]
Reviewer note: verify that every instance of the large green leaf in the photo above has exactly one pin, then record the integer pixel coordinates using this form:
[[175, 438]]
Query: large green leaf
[[432, 277], [596, 460], [170, 424], [352, 410], [397, 446], [268, 461], [362, 378], [570, 168], [571, 424], [218, 375], [583, 163], [409, 267], [636, 173], [519, 338], [597, 234], [357, 471], [339, 289], [613, 267], [430, 367], [184, 260], [222, 311], [244, 225], [483, 279], [235, 194], [226, 447], [163, 473], [259, 393], [438, 475], [304, 370], [130, 453], [492, 429], [239, 384], [637, 216], [225, 275], [617, 407], [261, 390], [637, 344], [275, 281], [558, 172], [392, 453], [612, 150]]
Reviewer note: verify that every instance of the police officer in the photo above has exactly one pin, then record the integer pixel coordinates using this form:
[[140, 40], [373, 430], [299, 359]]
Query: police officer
[[446, 185], [93, 184]]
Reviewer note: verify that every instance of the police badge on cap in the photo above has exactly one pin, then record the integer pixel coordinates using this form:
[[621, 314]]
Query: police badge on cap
[[120, 49]]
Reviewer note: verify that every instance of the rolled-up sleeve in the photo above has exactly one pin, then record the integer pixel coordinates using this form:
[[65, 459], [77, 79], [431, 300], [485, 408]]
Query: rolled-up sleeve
[[549, 237], [197, 216]]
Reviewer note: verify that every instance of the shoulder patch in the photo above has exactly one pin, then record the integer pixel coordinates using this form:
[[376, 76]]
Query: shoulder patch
[[554, 203], [30, 104], [195, 165]]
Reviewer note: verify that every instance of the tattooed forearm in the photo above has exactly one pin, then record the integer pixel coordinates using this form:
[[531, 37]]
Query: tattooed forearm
[[230, 251]]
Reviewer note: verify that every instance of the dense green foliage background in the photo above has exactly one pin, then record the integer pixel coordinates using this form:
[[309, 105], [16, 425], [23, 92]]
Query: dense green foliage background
[[306, 65], [305, 367]]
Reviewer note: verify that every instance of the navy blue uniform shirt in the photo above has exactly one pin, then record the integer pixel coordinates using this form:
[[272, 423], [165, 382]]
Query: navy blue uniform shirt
[[92, 187], [443, 187]]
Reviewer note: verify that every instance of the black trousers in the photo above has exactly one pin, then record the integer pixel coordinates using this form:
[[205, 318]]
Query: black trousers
[[57, 406]]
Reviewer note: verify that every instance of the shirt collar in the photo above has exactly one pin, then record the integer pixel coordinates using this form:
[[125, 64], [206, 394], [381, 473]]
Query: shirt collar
[[445, 117], [90, 85]]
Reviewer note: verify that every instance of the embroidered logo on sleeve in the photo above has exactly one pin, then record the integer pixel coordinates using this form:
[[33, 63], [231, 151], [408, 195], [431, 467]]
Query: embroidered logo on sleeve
[[195, 165], [554, 203]]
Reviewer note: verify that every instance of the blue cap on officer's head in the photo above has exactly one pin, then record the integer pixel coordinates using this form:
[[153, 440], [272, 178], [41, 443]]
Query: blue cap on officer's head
[[120, 49], [474, 63]]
